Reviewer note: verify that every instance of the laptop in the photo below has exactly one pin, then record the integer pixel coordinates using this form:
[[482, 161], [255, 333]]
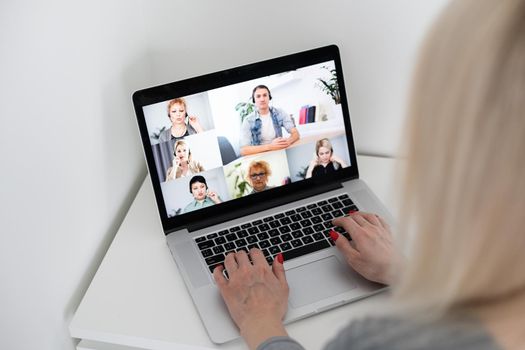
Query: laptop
[[261, 156]]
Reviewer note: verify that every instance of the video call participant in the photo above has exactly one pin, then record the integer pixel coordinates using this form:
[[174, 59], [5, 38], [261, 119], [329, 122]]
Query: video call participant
[[261, 131], [181, 123], [324, 161], [258, 173], [183, 164], [202, 196]]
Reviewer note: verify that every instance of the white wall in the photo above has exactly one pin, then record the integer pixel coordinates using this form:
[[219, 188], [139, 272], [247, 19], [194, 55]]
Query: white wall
[[70, 154]]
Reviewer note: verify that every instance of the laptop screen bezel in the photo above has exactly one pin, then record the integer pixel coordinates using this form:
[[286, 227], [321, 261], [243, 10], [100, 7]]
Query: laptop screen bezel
[[221, 212]]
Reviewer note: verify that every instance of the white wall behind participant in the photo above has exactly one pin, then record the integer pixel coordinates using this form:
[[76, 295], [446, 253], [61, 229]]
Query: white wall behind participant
[[71, 156]]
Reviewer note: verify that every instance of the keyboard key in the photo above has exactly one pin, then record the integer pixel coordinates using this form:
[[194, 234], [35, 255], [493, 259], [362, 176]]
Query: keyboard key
[[297, 234], [307, 239], [327, 208], [310, 248], [273, 232], [240, 242], [231, 237], [343, 196], [263, 236], [214, 260], [256, 222], [279, 216], [318, 228], [242, 233], [236, 228], [206, 253], [285, 221], [347, 202], [253, 230], [337, 213], [212, 236], [295, 226], [328, 224], [298, 210], [331, 200], [220, 240], [245, 226], [275, 224], [223, 232], [266, 252], [296, 243], [264, 227], [318, 236], [290, 212], [306, 214], [251, 246], [205, 245], [284, 229], [311, 206], [251, 239], [327, 216], [229, 246], [321, 203], [337, 205], [306, 223], [200, 239], [308, 231], [274, 250], [317, 211], [243, 249], [218, 249], [285, 246], [296, 217], [316, 220], [264, 244], [276, 240], [286, 237], [268, 219]]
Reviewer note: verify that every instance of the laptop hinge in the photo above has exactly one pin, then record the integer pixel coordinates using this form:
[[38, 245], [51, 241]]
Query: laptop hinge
[[272, 203]]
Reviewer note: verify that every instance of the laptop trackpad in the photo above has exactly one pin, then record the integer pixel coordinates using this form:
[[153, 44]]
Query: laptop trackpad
[[318, 280]]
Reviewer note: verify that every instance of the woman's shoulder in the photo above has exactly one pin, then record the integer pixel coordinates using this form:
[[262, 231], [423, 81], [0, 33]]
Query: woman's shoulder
[[414, 333]]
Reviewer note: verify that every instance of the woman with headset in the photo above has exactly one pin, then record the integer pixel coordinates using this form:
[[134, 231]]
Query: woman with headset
[[202, 196], [461, 284], [324, 161], [182, 124], [183, 164]]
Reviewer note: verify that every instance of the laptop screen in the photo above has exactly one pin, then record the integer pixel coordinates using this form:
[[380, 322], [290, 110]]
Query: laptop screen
[[242, 136]]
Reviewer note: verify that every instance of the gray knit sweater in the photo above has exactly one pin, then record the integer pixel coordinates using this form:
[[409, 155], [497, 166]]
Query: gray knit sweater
[[401, 334]]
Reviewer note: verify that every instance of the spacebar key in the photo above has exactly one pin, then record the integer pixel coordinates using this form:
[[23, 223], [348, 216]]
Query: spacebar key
[[310, 248]]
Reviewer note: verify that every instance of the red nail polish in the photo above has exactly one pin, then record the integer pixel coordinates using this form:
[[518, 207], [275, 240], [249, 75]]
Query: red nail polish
[[280, 258], [352, 211], [334, 235]]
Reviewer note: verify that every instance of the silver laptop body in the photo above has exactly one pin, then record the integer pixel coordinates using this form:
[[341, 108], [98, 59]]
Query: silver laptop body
[[319, 280]]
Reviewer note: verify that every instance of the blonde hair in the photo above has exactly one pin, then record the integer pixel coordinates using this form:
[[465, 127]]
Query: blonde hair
[[465, 179], [259, 164], [179, 101], [182, 143], [323, 143]]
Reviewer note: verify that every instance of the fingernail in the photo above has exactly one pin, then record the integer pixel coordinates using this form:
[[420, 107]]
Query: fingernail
[[216, 266], [352, 211], [334, 235], [280, 258]]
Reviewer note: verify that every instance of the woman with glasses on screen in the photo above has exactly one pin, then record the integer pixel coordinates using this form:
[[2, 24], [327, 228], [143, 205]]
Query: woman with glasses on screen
[[462, 284], [258, 173]]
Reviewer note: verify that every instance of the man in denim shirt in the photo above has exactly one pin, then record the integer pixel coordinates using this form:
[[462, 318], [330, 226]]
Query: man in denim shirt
[[261, 131]]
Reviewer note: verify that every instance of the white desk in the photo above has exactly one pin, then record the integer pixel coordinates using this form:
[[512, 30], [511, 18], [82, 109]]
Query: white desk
[[137, 298]]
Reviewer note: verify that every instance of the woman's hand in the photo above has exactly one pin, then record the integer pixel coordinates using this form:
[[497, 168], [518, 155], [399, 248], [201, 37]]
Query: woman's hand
[[194, 122], [214, 197], [255, 294], [371, 252]]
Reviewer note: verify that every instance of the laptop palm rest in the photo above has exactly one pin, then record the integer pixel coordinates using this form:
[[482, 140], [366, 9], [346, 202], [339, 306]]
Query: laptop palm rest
[[318, 280]]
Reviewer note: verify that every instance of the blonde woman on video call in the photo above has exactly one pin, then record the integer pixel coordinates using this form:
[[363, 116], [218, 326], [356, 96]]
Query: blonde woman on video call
[[461, 284], [183, 164], [324, 161]]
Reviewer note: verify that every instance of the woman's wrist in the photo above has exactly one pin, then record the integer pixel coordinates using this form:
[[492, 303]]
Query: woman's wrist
[[257, 330]]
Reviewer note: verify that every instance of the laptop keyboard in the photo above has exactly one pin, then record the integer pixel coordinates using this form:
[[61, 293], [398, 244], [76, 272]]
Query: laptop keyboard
[[294, 232]]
